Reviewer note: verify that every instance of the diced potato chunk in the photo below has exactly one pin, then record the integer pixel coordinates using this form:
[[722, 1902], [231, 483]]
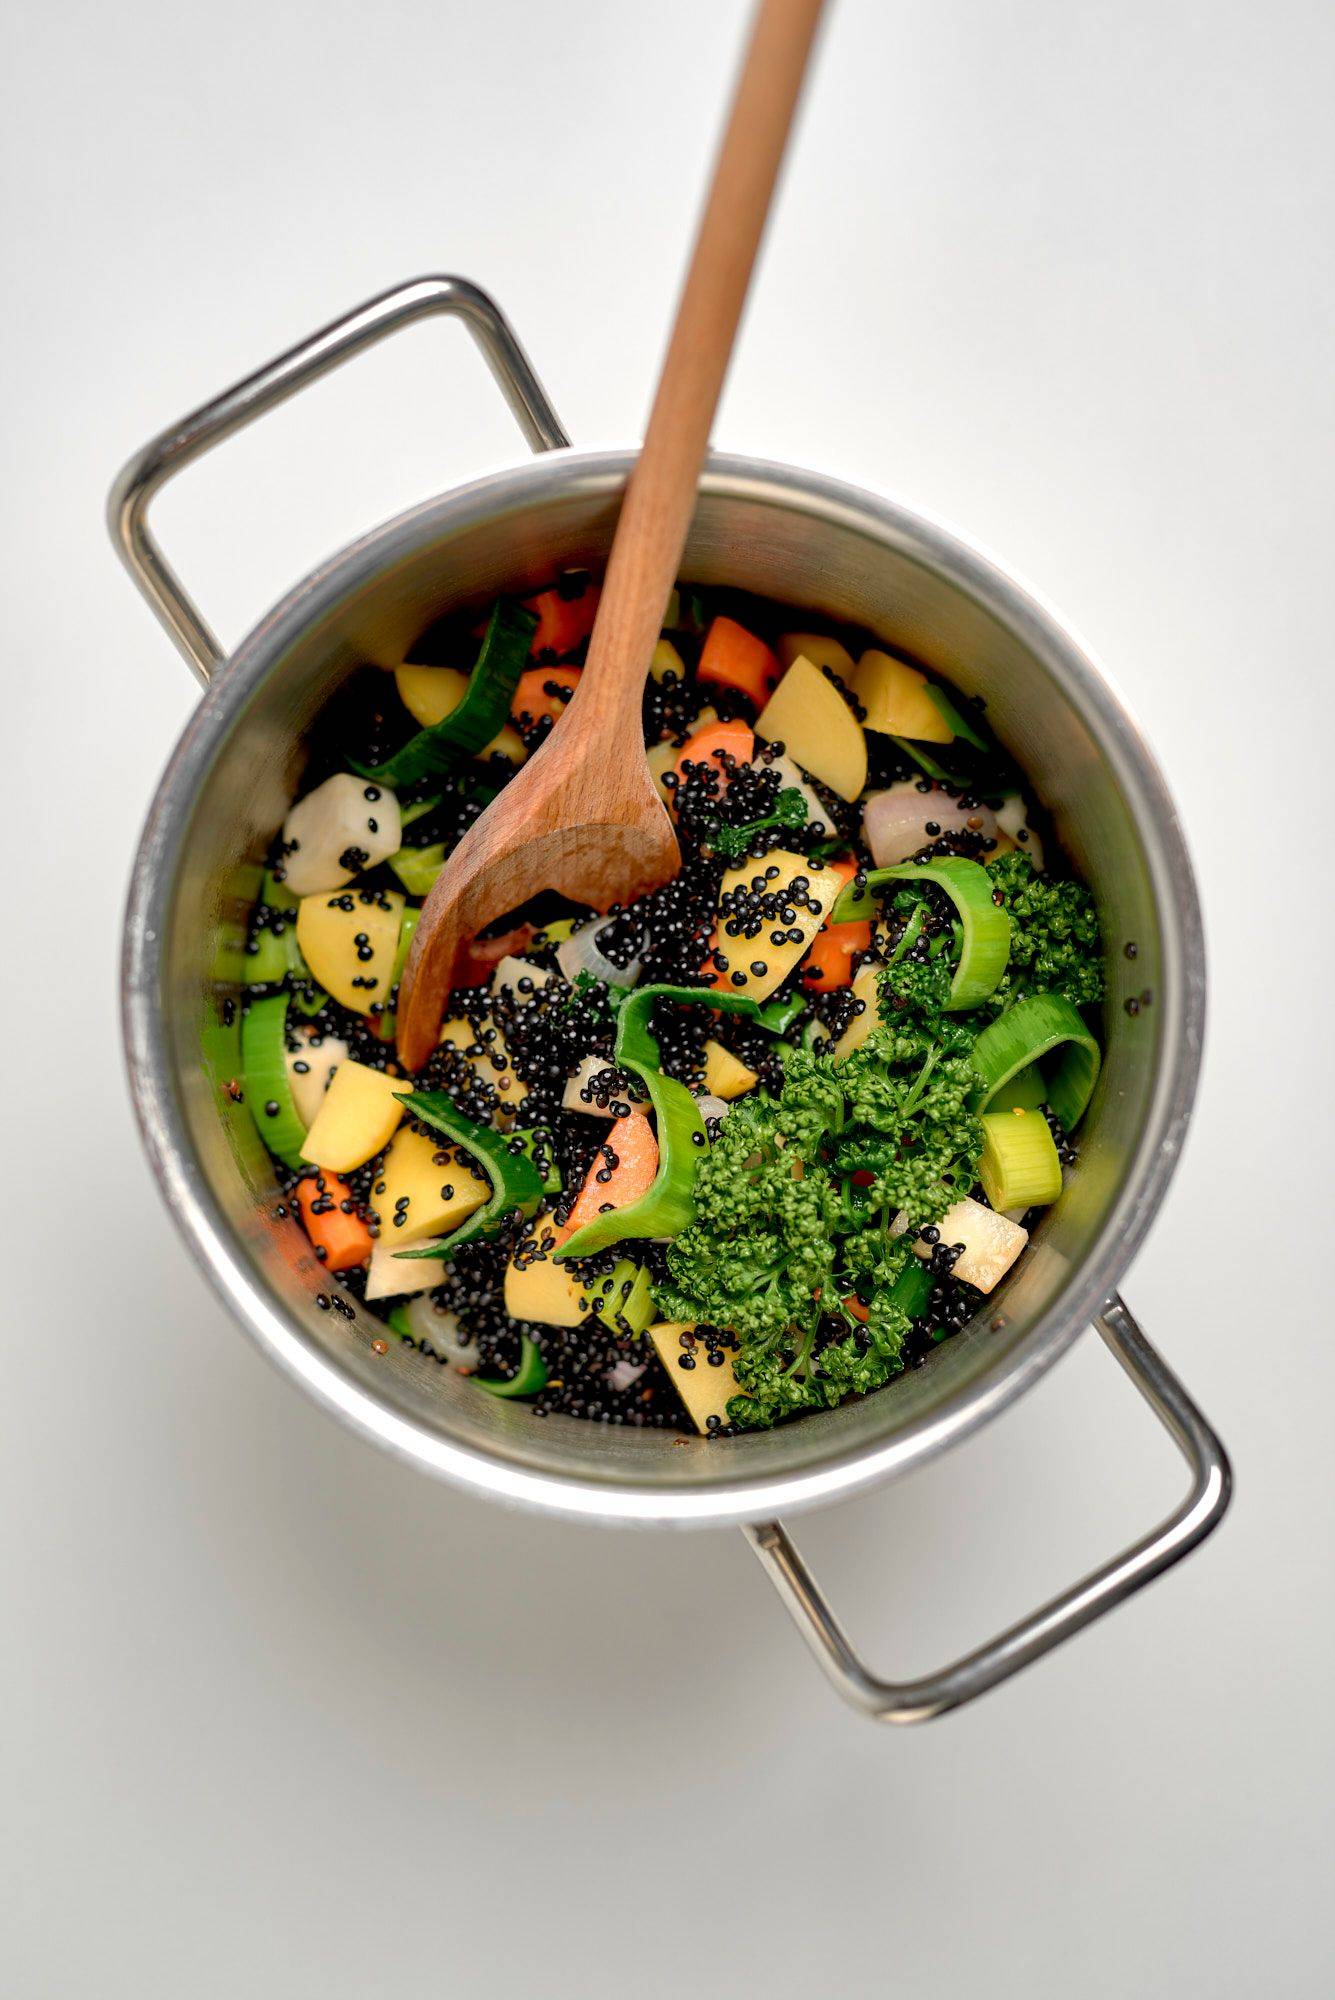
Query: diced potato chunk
[[358, 1117], [578, 1096], [895, 697], [726, 1075], [666, 661], [820, 650], [818, 729], [486, 1051], [776, 960], [310, 1065], [991, 1242], [704, 1386], [349, 940], [662, 758], [539, 1289], [343, 826], [389, 1275], [861, 1025], [432, 1197]]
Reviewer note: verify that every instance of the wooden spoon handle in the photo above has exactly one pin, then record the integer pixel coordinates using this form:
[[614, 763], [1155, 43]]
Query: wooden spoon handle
[[660, 497]]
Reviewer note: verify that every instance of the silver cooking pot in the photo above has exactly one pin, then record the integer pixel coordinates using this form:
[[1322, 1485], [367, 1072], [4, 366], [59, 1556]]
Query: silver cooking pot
[[806, 540]]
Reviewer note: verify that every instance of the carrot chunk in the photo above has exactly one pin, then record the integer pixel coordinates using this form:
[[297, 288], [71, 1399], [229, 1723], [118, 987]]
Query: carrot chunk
[[713, 743], [533, 696], [829, 963], [563, 622], [735, 658], [635, 1148], [345, 1239]]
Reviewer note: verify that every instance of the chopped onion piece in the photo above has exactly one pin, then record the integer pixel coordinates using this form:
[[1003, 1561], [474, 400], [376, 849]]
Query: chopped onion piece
[[441, 1332], [580, 953], [712, 1107], [624, 1374], [895, 822], [1013, 819]]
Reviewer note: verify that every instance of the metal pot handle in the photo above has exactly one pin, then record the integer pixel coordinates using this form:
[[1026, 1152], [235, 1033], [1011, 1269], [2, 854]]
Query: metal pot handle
[[919, 1700], [166, 454]]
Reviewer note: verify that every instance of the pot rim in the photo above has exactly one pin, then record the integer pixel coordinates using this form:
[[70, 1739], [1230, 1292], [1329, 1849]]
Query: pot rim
[[199, 1217]]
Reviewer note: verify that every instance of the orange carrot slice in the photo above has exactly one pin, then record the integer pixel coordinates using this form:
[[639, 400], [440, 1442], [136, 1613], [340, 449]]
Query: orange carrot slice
[[633, 1147], [344, 1237], [563, 622], [533, 697], [829, 963], [714, 742], [735, 658]]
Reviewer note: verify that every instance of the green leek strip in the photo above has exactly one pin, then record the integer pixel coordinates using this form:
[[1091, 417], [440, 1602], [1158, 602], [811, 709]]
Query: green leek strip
[[418, 867], [528, 1378], [419, 809], [516, 1183], [398, 1322], [912, 1288], [263, 1065], [1019, 1167], [955, 719], [308, 997], [470, 726], [626, 1295], [668, 1206], [536, 1145], [778, 1015], [917, 755], [985, 940], [1043, 1029], [277, 894], [267, 963], [1026, 1091], [407, 927]]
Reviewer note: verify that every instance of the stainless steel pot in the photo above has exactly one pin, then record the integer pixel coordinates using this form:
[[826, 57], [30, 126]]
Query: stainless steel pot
[[816, 543]]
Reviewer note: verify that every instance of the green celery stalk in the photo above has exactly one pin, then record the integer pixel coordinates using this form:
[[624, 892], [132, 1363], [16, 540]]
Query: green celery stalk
[[515, 1181], [1019, 1167], [985, 940], [263, 1045], [528, 1378], [484, 708], [1042, 1029]]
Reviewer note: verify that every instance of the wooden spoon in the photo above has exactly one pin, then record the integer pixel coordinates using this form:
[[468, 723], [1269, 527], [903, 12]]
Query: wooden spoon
[[582, 816]]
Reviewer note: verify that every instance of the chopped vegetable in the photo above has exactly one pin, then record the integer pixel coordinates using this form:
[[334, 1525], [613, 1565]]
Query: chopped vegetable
[[898, 699], [336, 832], [829, 963], [790, 812], [357, 1119], [621, 1173], [988, 1243], [528, 1378], [311, 1057], [562, 621], [543, 693], [1045, 1030], [766, 921], [268, 1091], [734, 658], [821, 650], [516, 1184], [424, 1189], [907, 816], [720, 746], [1054, 935], [474, 721], [1020, 1167], [329, 1216], [809, 716], [726, 1076], [985, 931], [698, 1361], [350, 940]]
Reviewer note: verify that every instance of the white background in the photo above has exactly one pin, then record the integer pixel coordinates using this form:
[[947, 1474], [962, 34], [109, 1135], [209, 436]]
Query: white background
[[281, 1717]]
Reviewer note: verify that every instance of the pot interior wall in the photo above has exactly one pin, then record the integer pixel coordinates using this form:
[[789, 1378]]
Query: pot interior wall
[[871, 564]]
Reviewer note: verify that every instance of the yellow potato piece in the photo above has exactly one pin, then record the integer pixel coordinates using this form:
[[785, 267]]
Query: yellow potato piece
[[358, 1117], [431, 693], [861, 1025], [821, 652], [726, 1076], [777, 960], [328, 929], [433, 1199], [389, 1276], [991, 1242], [537, 1288], [817, 728], [895, 697], [491, 1061], [666, 660], [706, 1387]]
